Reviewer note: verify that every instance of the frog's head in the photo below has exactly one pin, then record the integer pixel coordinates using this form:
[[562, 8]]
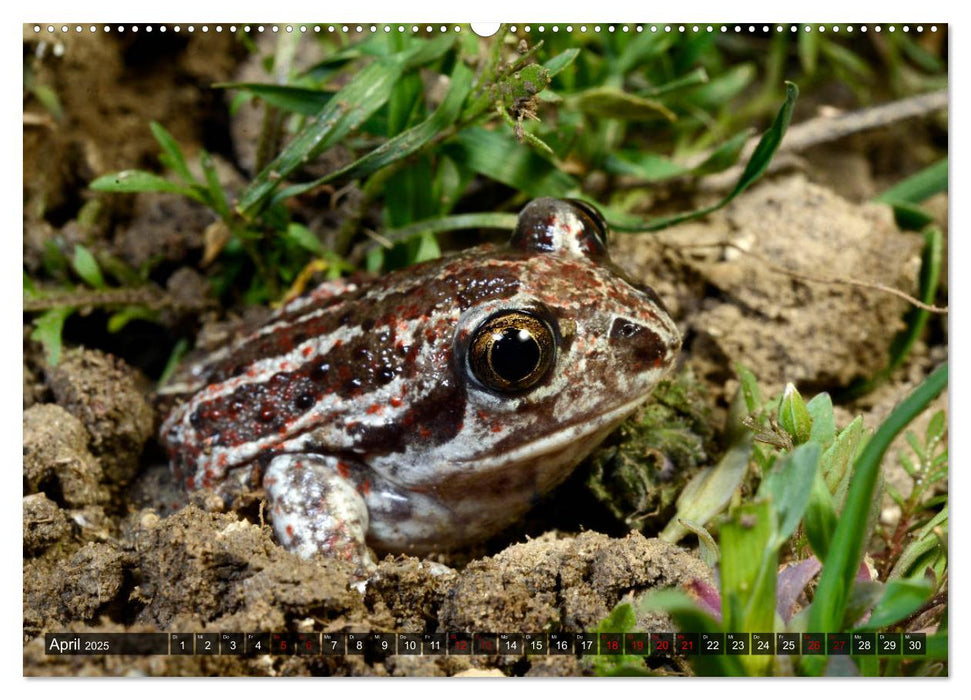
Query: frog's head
[[553, 368]]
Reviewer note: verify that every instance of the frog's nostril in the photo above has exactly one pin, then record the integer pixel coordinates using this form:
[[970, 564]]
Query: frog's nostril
[[643, 347]]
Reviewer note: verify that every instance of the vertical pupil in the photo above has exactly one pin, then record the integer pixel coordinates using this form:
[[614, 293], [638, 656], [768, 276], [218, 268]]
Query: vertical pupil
[[515, 354]]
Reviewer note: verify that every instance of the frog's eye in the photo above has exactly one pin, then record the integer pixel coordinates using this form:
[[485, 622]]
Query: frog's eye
[[512, 351]]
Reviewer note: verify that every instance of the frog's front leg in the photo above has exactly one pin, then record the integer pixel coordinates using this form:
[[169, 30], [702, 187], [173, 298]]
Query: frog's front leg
[[315, 508]]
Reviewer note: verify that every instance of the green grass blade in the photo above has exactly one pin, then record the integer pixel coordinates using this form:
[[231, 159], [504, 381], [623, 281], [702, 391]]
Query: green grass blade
[[289, 98], [405, 143], [454, 223], [142, 181], [614, 103], [916, 318], [499, 157], [348, 109], [754, 169], [846, 550], [217, 198], [173, 154], [918, 187], [723, 157]]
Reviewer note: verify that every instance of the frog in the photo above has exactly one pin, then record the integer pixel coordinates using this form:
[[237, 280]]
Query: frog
[[431, 408]]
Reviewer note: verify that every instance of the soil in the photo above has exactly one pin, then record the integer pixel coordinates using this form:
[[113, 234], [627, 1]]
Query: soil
[[112, 544]]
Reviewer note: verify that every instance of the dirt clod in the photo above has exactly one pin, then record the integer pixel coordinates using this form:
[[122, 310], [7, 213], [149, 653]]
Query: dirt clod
[[102, 392], [44, 523], [56, 458]]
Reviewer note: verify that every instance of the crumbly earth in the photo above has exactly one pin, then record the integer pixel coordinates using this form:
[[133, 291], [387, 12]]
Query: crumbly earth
[[111, 544]]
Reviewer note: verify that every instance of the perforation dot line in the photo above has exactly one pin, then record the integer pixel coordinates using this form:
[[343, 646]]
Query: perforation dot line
[[764, 29]]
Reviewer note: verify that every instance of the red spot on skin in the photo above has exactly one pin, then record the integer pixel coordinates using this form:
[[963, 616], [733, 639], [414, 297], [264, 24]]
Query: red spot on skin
[[307, 350], [497, 428], [395, 401], [365, 487], [343, 469], [338, 343], [481, 415], [375, 408], [190, 483], [222, 461], [290, 531]]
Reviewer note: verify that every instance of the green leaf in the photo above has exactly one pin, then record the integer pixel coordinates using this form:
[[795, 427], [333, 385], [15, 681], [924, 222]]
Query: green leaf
[[749, 387], [30, 289], [173, 154], [647, 166], [122, 317], [720, 89], [794, 416], [142, 181], [175, 359], [559, 62], [613, 103], [426, 249], [846, 550], [808, 45], [405, 143], [289, 98], [935, 427], [788, 486], [918, 187], [501, 158], [304, 237], [839, 456], [347, 110], [49, 99], [87, 268], [47, 330], [749, 559], [820, 409], [754, 169], [620, 620], [690, 618], [709, 491], [820, 520], [900, 599], [707, 547], [696, 77], [723, 157], [916, 319], [217, 198], [928, 542]]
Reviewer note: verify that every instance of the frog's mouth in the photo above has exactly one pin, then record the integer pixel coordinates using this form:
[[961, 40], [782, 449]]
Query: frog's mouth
[[577, 433]]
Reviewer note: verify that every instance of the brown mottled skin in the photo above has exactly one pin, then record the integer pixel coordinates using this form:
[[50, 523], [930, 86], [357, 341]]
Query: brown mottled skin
[[358, 411]]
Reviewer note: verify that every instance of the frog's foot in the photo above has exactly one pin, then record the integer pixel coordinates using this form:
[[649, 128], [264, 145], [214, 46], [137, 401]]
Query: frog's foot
[[316, 510]]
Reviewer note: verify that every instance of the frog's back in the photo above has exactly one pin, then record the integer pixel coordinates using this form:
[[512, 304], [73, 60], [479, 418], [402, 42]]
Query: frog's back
[[347, 363]]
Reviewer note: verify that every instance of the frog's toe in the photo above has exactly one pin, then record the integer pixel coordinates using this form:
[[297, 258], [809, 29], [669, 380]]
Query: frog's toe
[[315, 510]]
